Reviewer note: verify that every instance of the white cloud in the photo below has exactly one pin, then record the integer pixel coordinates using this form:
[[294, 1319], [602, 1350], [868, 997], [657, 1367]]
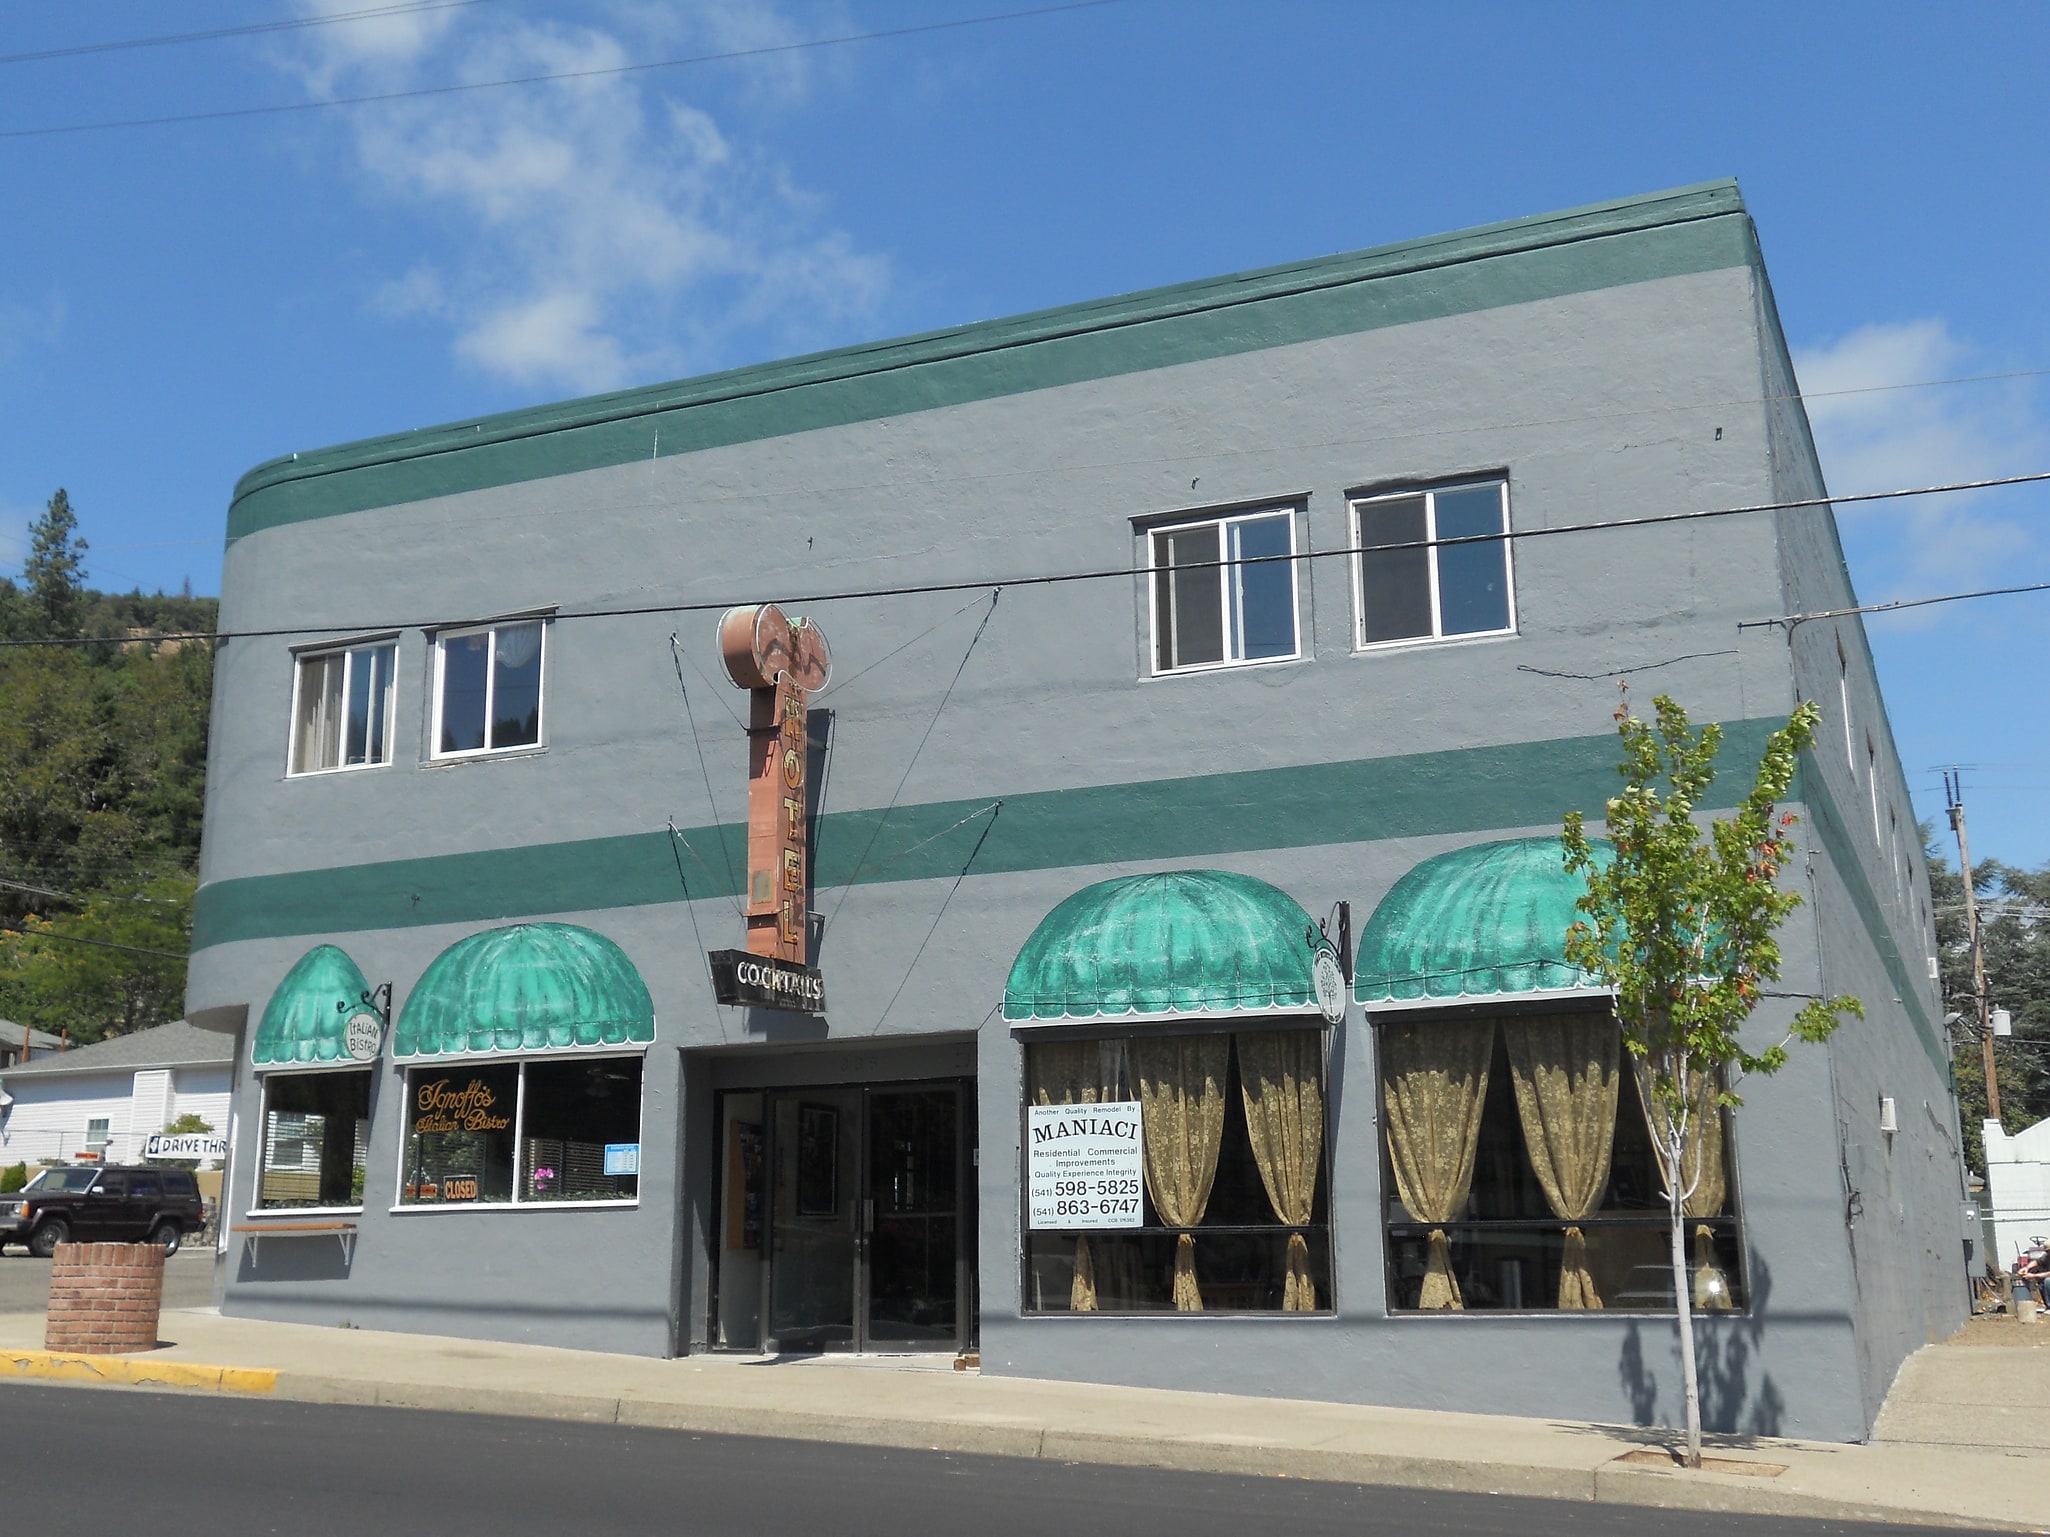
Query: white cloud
[[1873, 434], [605, 229], [26, 326]]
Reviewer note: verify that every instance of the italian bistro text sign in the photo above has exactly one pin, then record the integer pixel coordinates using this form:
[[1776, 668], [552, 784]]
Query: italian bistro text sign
[[1084, 1166]]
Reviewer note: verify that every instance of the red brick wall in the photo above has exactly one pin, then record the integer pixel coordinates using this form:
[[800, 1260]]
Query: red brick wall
[[104, 1298]]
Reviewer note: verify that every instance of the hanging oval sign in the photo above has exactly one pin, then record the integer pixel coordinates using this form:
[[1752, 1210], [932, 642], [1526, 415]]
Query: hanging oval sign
[[1330, 985], [363, 1036]]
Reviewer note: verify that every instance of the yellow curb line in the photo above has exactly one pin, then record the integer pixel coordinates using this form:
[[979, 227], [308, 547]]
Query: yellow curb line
[[50, 1366]]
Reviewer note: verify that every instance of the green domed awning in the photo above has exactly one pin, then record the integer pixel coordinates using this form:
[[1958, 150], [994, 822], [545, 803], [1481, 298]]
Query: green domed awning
[[530, 987], [304, 1018], [1185, 942], [1488, 921]]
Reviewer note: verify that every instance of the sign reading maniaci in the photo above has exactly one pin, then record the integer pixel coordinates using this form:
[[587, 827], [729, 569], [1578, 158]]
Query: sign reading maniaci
[[196, 1144], [1084, 1166]]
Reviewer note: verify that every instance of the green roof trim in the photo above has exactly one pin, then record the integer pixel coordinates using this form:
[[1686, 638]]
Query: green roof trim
[[1485, 921], [1463, 791], [529, 987], [1205, 942], [303, 1021], [1666, 234]]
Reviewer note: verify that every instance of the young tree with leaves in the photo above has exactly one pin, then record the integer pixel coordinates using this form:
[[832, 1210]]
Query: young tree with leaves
[[1680, 927]]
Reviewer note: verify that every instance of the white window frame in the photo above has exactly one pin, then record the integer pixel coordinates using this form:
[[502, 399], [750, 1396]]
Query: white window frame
[[106, 1125], [257, 1209], [441, 640], [1430, 494], [349, 650], [1843, 694], [1222, 521], [402, 1207]]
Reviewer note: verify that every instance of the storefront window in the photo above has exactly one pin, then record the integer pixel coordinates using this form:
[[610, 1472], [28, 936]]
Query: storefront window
[[574, 1112], [1233, 1213], [574, 1123], [1521, 1175], [316, 1128]]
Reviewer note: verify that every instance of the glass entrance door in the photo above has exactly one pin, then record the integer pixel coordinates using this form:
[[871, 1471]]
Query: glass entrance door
[[913, 1290], [815, 1219], [845, 1219]]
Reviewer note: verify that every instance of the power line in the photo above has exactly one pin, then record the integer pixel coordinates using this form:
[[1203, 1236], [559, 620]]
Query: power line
[[74, 897], [1106, 573], [463, 87], [292, 24], [99, 944], [1790, 620]]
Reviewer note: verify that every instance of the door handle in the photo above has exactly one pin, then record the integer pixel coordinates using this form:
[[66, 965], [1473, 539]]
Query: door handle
[[868, 1215]]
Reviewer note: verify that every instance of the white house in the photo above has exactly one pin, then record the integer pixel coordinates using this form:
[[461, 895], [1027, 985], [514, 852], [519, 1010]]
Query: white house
[[107, 1098], [14, 1039], [2017, 1187]]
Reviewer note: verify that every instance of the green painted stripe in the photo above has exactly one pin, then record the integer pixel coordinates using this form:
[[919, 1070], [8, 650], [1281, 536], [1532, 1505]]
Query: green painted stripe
[[1477, 789], [1813, 791], [1673, 234]]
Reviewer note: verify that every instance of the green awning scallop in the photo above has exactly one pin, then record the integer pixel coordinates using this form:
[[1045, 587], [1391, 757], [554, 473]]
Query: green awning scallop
[[530, 987], [1487, 921], [1179, 943], [304, 1018]]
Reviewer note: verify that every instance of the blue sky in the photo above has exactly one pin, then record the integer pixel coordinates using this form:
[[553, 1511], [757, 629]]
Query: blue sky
[[179, 303]]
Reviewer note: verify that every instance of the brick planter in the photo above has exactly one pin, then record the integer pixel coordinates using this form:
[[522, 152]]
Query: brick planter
[[104, 1298]]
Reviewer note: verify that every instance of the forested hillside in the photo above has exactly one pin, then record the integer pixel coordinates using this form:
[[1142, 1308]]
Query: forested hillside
[[102, 778]]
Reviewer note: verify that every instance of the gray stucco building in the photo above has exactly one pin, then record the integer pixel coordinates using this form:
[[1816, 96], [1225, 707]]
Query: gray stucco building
[[1158, 628]]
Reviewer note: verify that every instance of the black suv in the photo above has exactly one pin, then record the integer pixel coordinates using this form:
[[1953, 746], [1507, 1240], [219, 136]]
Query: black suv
[[91, 1204]]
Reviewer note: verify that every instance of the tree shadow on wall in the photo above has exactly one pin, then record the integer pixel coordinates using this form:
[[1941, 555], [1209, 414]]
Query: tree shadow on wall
[[1726, 1345]]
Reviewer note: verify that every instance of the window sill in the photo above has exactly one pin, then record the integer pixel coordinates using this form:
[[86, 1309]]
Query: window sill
[[1433, 642], [292, 1213], [484, 755], [1606, 1310], [1237, 1315], [1212, 669], [496, 1206], [339, 768]]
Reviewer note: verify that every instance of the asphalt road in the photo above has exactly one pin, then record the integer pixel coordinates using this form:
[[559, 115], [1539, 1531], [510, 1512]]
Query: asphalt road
[[92, 1461], [25, 1280]]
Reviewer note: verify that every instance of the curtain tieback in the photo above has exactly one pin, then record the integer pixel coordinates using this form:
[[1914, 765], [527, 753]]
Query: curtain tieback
[[1188, 1296]]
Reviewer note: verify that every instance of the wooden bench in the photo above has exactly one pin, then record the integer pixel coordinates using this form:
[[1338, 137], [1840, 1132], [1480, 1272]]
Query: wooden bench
[[254, 1233]]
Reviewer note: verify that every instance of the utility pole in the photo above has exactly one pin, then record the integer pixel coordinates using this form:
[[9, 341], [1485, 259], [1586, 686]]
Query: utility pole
[[1953, 794]]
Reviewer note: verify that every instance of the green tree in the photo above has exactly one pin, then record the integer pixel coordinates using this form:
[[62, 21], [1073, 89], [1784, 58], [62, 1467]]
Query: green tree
[[55, 569], [2013, 904], [102, 785], [116, 964], [1680, 926]]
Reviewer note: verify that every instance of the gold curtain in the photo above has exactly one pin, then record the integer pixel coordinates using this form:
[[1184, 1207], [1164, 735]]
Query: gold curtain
[[1704, 1171], [1181, 1098], [1434, 1082], [1565, 1071], [1281, 1077], [1077, 1073]]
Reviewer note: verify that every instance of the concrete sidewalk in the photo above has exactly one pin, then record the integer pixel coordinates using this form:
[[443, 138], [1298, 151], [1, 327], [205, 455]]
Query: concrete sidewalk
[[908, 1401]]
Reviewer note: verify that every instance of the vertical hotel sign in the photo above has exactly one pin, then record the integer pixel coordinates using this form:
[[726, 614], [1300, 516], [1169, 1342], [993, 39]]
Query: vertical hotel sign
[[781, 662]]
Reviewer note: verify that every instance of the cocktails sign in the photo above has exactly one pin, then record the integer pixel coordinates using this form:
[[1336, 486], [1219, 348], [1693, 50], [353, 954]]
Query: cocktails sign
[[781, 662]]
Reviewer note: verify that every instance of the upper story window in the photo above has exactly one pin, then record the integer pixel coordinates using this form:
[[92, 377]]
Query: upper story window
[[342, 708], [487, 688], [1224, 591], [1410, 586], [1843, 694]]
